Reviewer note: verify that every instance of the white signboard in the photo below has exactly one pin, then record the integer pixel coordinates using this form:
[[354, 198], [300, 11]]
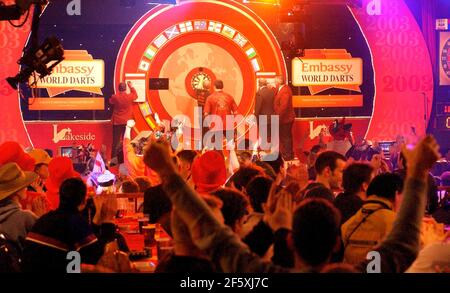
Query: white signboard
[[311, 72], [75, 74]]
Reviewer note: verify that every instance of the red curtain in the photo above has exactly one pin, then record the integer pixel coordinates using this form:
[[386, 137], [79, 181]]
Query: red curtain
[[428, 28]]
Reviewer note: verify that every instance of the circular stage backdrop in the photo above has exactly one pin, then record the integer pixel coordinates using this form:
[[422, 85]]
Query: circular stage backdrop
[[192, 42]]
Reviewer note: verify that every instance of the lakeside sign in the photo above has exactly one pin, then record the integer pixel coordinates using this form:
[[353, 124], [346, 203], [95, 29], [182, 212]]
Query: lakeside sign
[[54, 135], [332, 72]]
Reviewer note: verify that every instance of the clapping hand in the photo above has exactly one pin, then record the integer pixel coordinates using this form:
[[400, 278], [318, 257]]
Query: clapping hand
[[376, 161], [37, 185], [39, 206], [278, 210], [432, 232]]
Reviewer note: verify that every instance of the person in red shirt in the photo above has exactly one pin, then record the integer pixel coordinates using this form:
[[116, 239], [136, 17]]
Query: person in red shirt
[[122, 112], [283, 107], [221, 104]]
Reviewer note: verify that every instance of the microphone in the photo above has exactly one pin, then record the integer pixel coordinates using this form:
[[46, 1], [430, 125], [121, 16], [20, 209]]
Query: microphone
[[425, 109]]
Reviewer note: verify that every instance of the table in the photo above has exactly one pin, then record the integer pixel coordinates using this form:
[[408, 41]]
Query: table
[[129, 228], [135, 243]]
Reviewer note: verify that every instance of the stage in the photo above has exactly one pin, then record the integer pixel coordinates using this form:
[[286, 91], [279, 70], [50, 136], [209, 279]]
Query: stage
[[166, 50]]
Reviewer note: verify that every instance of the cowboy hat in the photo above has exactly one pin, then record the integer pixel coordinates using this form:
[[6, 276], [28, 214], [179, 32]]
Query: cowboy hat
[[13, 179], [106, 179], [40, 156]]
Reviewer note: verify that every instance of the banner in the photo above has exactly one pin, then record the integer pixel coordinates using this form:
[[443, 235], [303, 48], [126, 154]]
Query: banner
[[72, 103], [79, 71], [56, 135], [336, 101], [77, 74], [323, 69], [310, 72], [442, 24]]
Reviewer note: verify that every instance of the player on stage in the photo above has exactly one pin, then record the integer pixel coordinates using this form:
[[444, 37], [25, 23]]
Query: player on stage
[[283, 107], [264, 105], [122, 112], [221, 104]]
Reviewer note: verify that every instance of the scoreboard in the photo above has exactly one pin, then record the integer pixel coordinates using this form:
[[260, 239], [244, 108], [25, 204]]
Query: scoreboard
[[443, 116]]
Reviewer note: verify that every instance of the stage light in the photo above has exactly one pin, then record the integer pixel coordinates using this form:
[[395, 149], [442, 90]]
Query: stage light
[[42, 60]]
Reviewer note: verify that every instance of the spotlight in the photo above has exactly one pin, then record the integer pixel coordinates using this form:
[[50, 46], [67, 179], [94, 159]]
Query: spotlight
[[42, 60]]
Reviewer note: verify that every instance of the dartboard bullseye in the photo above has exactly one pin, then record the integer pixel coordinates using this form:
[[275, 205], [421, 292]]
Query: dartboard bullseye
[[199, 82]]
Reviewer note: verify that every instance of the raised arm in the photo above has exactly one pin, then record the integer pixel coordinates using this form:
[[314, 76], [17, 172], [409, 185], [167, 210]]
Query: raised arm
[[223, 246], [112, 100], [231, 160], [129, 155], [133, 93]]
